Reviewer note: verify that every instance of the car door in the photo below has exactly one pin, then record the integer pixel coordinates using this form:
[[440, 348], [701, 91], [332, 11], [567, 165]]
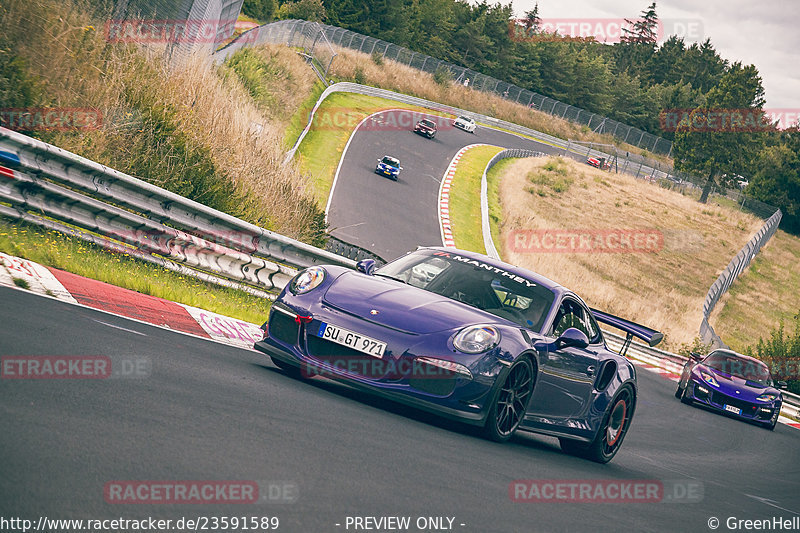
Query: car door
[[567, 374]]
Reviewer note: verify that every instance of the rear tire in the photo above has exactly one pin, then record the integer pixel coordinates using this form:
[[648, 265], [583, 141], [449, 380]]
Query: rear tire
[[510, 402], [612, 431]]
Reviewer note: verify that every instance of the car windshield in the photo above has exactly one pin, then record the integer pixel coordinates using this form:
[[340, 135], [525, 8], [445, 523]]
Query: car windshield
[[474, 283], [465, 119], [392, 162], [755, 372], [427, 123]]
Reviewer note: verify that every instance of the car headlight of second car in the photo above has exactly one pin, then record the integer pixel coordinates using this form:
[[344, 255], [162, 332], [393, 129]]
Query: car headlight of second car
[[476, 339], [767, 397], [708, 378]]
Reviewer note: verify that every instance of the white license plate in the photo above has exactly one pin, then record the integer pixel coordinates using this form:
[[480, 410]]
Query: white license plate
[[352, 340], [733, 409]]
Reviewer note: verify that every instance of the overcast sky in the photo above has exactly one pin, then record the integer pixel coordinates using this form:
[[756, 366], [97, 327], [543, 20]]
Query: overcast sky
[[765, 33]]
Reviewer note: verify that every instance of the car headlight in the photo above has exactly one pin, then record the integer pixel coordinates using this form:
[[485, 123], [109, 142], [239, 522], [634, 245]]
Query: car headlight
[[476, 339], [708, 378], [307, 280], [767, 397]]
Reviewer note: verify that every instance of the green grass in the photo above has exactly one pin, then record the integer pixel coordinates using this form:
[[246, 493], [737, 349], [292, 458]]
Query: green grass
[[322, 148], [299, 120], [495, 210], [551, 179], [465, 198], [54, 249]]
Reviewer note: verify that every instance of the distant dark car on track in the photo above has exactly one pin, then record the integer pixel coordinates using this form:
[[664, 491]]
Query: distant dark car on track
[[389, 166], [464, 336], [734, 384], [426, 127]]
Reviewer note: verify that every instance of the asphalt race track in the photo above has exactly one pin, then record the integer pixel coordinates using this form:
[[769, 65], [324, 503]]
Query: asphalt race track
[[206, 411], [390, 218]]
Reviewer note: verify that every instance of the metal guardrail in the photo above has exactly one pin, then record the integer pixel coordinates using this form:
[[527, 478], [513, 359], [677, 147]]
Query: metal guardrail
[[488, 242], [77, 192], [731, 272]]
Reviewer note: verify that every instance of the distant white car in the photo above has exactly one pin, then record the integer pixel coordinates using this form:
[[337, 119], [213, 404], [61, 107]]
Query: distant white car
[[465, 123]]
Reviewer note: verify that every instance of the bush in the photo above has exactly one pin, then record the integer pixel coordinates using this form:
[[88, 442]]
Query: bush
[[17, 88], [377, 58], [261, 10], [697, 346], [359, 76], [782, 353], [311, 10], [443, 76]]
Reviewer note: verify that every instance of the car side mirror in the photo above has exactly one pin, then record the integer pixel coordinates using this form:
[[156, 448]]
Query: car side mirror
[[366, 266], [696, 356], [572, 338], [781, 384]]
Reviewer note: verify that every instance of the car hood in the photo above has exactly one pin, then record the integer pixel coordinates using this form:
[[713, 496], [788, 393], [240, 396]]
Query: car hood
[[403, 307], [731, 384]]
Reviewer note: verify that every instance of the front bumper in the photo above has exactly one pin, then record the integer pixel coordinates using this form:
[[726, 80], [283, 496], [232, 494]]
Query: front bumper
[[707, 396], [402, 375], [386, 172]]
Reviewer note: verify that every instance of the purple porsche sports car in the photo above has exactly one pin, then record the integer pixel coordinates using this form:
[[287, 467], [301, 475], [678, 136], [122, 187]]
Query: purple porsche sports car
[[734, 384], [464, 336]]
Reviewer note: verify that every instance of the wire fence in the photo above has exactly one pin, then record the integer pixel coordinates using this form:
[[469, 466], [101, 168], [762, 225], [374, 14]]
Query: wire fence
[[183, 28], [481, 82]]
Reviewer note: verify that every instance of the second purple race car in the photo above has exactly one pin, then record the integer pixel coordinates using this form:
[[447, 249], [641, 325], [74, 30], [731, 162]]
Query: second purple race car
[[734, 384], [466, 337]]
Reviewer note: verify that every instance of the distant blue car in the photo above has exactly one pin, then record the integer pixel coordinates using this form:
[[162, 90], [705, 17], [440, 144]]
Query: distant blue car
[[464, 336], [389, 166], [734, 384]]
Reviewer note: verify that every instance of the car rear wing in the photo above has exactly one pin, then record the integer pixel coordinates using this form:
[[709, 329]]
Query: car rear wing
[[632, 329]]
